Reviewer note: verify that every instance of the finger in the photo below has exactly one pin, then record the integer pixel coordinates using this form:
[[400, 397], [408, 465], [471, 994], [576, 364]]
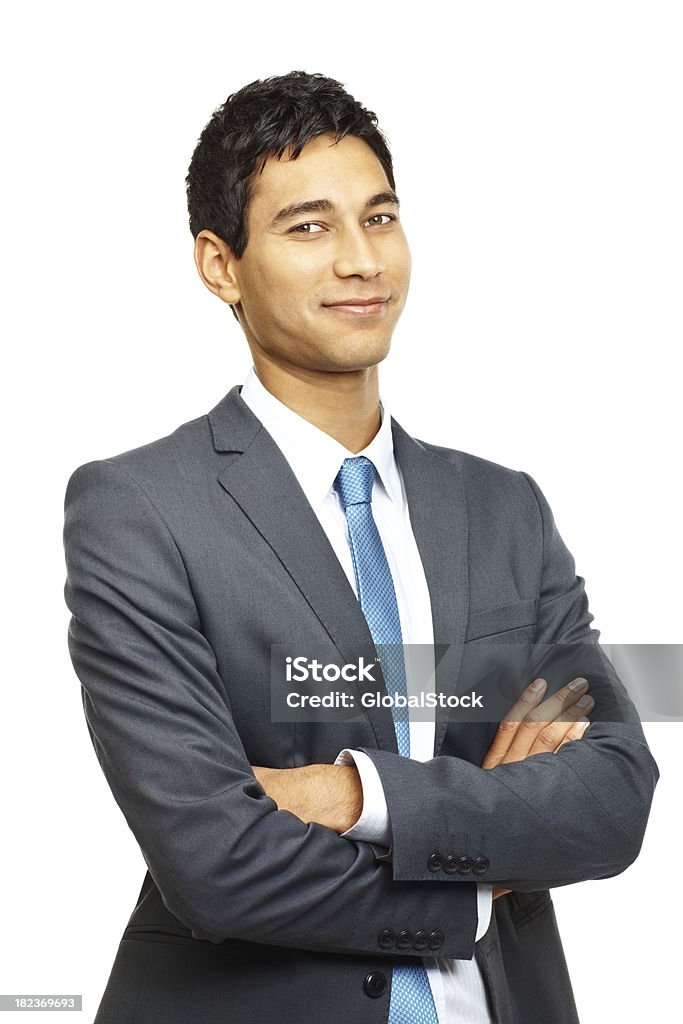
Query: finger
[[576, 732], [551, 735], [565, 698], [529, 699], [549, 711]]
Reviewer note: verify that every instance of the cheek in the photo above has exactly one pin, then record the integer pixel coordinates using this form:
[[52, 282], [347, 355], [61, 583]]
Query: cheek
[[278, 300], [285, 282], [395, 255], [402, 260]]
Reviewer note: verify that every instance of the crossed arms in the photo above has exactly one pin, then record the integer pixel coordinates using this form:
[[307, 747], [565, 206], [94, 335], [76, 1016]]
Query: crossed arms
[[332, 795], [230, 864]]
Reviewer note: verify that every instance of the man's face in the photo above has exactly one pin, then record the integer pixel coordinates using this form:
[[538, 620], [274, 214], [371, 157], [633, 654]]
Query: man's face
[[325, 273]]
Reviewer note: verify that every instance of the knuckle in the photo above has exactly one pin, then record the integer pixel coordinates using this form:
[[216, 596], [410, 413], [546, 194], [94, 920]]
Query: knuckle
[[547, 737]]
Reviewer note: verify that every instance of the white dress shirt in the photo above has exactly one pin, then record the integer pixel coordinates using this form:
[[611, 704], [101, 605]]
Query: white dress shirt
[[315, 459]]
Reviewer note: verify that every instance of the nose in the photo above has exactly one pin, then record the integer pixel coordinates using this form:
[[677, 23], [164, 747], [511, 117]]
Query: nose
[[357, 256]]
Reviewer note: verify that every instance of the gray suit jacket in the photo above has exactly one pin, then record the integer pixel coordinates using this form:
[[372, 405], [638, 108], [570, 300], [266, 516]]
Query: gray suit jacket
[[187, 558]]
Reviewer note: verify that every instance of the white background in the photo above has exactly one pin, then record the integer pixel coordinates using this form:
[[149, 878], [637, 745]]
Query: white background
[[538, 154]]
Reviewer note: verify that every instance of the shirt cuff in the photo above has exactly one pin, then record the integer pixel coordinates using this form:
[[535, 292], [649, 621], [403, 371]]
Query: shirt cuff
[[484, 907], [373, 826]]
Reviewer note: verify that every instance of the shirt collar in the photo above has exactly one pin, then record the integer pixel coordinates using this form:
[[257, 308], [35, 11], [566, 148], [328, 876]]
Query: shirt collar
[[314, 456]]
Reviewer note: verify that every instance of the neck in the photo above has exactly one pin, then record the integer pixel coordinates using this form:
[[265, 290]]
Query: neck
[[345, 405]]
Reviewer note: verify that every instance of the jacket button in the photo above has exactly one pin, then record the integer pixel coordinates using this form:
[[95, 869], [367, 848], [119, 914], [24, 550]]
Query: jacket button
[[452, 864], [436, 939], [404, 940], [435, 861], [375, 984], [480, 865], [386, 939], [465, 865], [421, 940]]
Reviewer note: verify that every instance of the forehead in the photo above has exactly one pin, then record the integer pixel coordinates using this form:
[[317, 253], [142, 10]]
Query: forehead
[[345, 172]]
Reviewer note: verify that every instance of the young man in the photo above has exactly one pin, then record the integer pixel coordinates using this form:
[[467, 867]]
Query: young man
[[377, 868]]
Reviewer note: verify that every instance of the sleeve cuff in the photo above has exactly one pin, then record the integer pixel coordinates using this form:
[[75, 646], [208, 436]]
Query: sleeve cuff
[[373, 826]]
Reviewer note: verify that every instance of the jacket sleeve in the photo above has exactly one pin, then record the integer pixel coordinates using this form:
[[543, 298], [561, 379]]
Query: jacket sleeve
[[227, 862], [554, 818]]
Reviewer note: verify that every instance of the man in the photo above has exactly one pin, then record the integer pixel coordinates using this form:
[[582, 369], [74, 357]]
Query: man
[[376, 868]]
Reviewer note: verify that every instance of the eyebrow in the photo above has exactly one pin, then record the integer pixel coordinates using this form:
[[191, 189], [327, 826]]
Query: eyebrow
[[327, 206]]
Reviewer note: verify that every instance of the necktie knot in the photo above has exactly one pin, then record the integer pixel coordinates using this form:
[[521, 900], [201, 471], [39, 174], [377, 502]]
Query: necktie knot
[[354, 481]]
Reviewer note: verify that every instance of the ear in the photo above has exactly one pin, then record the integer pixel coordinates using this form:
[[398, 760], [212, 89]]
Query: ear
[[215, 263]]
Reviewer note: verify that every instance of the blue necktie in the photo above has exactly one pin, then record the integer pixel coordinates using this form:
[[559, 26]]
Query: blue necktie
[[411, 994]]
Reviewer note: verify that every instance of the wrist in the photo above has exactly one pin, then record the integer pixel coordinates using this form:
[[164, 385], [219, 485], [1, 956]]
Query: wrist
[[351, 790]]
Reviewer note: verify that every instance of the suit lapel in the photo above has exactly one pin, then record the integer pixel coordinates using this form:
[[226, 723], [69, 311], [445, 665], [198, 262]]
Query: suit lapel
[[438, 515], [262, 483]]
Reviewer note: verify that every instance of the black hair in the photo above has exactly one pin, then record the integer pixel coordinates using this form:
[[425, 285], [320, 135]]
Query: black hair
[[264, 119]]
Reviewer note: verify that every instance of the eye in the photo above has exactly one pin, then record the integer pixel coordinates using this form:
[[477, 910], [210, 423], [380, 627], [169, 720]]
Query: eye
[[306, 229], [379, 219]]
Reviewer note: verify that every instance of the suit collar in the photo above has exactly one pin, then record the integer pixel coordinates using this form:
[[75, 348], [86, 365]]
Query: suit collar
[[315, 456], [233, 424]]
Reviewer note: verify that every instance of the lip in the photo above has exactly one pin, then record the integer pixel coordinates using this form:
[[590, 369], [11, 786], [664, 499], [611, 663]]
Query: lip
[[360, 307]]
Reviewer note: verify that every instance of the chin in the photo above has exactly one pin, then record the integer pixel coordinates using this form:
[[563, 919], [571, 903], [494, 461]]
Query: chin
[[361, 353], [355, 365]]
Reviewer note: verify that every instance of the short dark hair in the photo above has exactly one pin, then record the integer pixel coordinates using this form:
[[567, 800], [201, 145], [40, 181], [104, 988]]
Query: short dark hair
[[264, 119]]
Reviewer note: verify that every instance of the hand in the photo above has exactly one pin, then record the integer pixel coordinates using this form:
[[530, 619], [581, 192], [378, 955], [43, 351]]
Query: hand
[[329, 794], [534, 728]]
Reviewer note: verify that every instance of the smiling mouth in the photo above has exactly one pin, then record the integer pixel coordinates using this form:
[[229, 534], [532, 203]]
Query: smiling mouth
[[359, 307]]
